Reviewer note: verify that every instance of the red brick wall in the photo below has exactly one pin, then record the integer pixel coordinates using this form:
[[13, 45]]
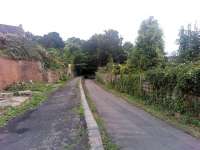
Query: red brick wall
[[12, 71]]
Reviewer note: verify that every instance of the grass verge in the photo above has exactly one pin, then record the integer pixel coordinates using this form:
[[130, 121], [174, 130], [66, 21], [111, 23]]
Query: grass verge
[[106, 139], [40, 94], [157, 111]]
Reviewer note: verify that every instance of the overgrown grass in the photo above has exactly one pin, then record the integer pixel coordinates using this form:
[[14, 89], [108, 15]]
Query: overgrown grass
[[106, 139], [182, 122], [40, 94]]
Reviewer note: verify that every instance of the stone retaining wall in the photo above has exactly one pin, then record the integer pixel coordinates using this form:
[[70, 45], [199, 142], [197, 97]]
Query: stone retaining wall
[[12, 71]]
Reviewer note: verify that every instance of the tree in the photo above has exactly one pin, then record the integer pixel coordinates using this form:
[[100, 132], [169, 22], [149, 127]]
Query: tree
[[189, 44], [74, 44], [128, 47], [97, 47], [114, 45], [95, 52], [52, 40], [149, 49], [105, 45]]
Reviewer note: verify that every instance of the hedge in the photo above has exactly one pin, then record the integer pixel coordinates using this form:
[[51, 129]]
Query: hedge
[[175, 87]]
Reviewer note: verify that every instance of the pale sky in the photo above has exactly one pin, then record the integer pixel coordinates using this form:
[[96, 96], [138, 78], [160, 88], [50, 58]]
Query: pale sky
[[83, 18]]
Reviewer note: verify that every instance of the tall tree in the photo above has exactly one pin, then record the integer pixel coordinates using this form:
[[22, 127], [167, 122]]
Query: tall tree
[[105, 45], [74, 44], [52, 40], [96, 51], [114, 46], [149, 49], [189, 44]]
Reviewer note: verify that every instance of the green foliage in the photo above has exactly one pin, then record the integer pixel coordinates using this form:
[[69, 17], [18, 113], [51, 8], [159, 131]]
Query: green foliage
[[128, 47], [176, 87], [54, 60], [21, 86], [105, 45], [85, 63], [116, 69], [183, 77], [40, 92], [138, 60], [110, 63], [27, 48], [74, 44], [150, 35], [64, 77], [52, 40], [21, 48], [99, 78], [149, 49], [95, 52], [188, 82], [189, 44], [129, 84], [58, 59]]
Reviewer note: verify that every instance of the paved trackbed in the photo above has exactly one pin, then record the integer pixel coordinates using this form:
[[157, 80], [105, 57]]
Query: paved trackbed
[[55, 125], [133, 129]]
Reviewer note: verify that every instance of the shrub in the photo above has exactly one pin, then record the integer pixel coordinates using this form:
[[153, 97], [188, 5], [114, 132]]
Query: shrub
[[175, 87], [22, 48], [128, 84]]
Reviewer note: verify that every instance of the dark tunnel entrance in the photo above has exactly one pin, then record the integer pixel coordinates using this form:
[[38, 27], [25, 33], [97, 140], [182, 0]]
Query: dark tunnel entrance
[[85, 70]]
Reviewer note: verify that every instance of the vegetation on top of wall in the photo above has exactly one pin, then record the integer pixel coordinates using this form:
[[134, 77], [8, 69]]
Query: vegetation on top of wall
[[21, 48], [51, 40], [33, 47]]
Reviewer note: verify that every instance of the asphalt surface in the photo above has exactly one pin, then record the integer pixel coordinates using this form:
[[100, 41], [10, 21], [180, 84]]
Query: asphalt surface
[[55, 125], [133, 129]]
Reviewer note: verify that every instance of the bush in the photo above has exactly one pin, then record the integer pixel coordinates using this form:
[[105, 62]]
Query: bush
[[99, 77], [175, 87], [128, 84], [22, 48], [64, 77]]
